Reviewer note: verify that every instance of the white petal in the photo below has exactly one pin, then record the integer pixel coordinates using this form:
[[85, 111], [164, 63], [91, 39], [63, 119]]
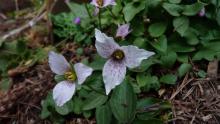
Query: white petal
[[134, 55], [113, 74], [105, 45], [58, 63], [94, 2], [82, 72], [63, 92], [109, 2]]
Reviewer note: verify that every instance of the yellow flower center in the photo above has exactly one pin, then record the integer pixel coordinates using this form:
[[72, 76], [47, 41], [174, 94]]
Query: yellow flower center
[[100, 2], [118, 54], [70, 76]]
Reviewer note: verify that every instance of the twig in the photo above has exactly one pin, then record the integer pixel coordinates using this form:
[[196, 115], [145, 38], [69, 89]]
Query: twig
[[25, 26]]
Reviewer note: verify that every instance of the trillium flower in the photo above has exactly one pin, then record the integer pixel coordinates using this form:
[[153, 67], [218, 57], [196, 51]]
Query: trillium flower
[[123, 30], [77, 20], [119, 58], [74, 76], [103, 3], [202, 12]]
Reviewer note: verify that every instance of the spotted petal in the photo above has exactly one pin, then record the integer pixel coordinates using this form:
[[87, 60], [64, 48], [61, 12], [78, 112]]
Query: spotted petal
[[94, 2], [105, 45], [82, 72], [108, 2], [63, 92], [134, 55], [123, 30], [58, 63], [113, 74]]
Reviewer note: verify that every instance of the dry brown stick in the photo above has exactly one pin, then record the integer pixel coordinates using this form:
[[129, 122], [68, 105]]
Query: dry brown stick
[[25, 26], [184, 83]]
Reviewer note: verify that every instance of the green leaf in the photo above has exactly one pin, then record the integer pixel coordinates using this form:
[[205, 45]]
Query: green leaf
[[181, 24], [123, 102], [77, 105], [160, 44], [145, 64], [149, 121], [141, 79], [94, 100], [191, 37], [78, 10], [98, 63], [152, 82], [103, 114], [193, 9], [201, 74], [169, 59], [157, 29], [168, 79], [132, 9], [5, 84], [46, 104], [174, 1], [183, 69], [172, 9], [65, 109]]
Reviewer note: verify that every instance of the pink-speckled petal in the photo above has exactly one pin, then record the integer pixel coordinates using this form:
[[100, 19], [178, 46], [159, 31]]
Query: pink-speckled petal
[[82, 72], [63, 92], [94, 2], [58, 64], [108, 3], [123, 30], [113, 74], [134, 55], [105, 45]]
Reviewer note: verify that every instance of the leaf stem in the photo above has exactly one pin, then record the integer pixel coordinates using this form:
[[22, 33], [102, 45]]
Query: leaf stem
[[100, 23]]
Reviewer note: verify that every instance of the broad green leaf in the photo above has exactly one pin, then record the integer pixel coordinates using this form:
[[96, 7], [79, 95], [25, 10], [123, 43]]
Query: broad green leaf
[[133, 8], [145, 64], [160, 44], [181, 24], [123, 102], [201, 74], [174, 1], [169, 59], [78, 10], [172, 9], [183, 69], [150, 121], [65, 109], [77, 105], [103, 114], [157, 29], [140, 42], [94, 100], [191, 37], [141, 79], [193, 9], [168, 79], [152, 82], [48, 102], [97, 63], [5, 83]]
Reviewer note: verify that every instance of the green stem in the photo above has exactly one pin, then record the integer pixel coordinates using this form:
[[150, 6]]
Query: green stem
[[87, 9], [122, 12], [113, 15], [100, 24]]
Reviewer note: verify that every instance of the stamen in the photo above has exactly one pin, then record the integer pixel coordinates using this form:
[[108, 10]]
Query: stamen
[[100, 2], [118, 55], [70, 76]]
